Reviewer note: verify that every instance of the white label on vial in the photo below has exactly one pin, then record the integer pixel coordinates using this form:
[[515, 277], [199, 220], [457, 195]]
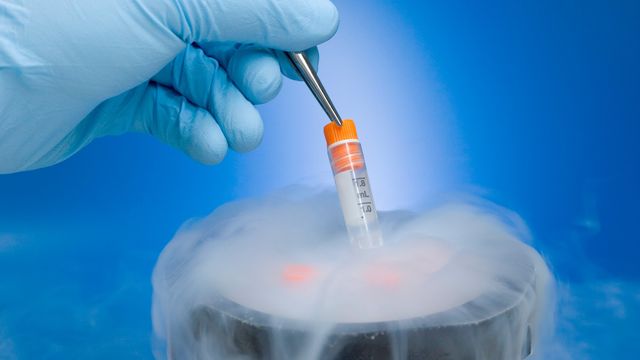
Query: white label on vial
[[355, 197]]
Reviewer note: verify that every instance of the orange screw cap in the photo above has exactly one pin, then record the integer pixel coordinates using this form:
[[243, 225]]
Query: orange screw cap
[[334, 132]]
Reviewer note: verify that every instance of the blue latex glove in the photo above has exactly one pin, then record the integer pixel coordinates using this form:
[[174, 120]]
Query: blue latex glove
[[185, 71]]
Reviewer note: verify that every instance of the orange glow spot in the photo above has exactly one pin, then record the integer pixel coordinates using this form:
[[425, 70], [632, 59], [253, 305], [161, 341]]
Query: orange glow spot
[[384, 277], [297, 273]]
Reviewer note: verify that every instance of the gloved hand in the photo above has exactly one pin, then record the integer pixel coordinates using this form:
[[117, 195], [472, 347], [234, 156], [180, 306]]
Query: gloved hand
[[185, 71]]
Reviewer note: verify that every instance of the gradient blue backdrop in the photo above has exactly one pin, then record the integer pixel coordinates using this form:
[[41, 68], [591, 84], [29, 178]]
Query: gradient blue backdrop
[[534, 105]]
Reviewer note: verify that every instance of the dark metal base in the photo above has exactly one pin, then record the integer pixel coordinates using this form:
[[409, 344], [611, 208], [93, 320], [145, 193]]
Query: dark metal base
[[231, 331]]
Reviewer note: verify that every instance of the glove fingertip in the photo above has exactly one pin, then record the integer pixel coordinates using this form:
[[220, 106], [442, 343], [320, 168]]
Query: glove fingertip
[[256, 72], [246, 131], [287, 68], [329, 23], [206, 142], [314, 22]]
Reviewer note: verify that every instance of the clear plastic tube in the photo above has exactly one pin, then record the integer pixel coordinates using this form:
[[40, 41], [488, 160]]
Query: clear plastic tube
[[353, 186]]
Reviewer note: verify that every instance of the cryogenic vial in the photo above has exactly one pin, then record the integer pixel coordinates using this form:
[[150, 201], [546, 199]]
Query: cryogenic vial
[[352, 184]]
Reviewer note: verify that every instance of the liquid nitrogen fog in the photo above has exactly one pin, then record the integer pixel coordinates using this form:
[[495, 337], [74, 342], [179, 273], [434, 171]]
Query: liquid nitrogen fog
[[276, 278]]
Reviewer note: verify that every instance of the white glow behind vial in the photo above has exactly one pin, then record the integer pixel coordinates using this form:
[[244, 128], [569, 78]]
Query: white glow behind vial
[[352, 185]]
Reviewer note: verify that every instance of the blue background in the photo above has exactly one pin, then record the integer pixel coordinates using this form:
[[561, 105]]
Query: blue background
[[534, 105]]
